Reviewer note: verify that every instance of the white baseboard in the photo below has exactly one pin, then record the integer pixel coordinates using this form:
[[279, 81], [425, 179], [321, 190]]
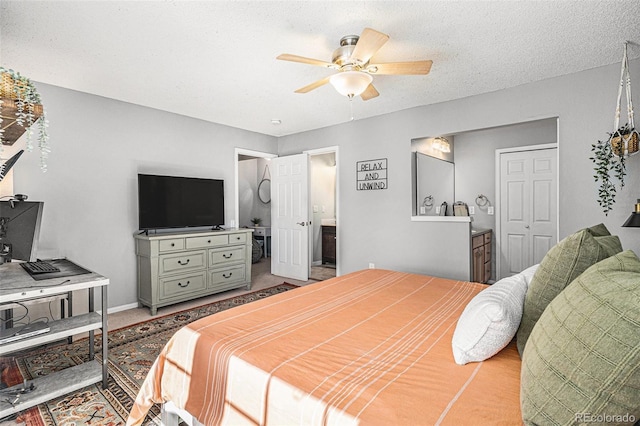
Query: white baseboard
[[316, 263], [122, 308]]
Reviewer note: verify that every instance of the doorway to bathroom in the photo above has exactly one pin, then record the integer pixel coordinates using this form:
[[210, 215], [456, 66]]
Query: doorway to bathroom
[[323, 179], [253, 168]]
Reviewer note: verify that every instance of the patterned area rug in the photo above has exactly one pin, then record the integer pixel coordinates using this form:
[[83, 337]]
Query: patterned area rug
[[132, 351]]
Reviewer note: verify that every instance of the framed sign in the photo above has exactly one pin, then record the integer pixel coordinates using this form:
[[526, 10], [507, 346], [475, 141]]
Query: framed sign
[[371, 175]]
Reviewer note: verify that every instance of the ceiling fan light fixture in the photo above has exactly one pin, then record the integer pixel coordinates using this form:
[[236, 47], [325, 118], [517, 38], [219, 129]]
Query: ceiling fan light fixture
[[351, 83]]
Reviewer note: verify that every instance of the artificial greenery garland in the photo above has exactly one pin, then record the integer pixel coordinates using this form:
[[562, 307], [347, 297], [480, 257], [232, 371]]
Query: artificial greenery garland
[[20, 90]]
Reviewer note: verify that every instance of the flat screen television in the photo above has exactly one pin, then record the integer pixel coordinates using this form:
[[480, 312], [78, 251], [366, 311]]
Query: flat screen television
[[179, 202]]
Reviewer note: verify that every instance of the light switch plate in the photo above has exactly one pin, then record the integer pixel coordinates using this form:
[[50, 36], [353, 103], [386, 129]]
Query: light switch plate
[[490, 210], [472, 210]]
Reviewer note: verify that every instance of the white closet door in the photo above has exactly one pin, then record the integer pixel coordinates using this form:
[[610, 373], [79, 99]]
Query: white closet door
[[528, 208]]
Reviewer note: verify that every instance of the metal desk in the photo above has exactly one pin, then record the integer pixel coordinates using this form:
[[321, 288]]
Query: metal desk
[[16, 285]]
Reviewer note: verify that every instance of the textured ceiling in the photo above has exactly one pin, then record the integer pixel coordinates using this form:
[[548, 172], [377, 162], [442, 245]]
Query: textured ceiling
[[216, 61]]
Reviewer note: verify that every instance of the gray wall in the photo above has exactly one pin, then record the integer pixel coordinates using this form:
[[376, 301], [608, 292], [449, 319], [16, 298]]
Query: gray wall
[[475, 160], [375, 225], [90, 190], [99, 145]]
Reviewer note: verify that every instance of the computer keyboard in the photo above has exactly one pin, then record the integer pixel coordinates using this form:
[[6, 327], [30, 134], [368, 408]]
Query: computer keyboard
[[39, 267]]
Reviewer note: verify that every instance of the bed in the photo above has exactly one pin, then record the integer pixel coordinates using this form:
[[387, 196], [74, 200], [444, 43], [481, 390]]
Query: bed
[[370, 347]]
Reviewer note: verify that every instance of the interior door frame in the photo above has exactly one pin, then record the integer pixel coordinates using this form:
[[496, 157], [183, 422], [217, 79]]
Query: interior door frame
[[238, 153], [498, 231], [326, 150]]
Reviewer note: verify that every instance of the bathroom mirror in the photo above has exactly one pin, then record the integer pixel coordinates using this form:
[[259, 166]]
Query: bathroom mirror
[[432, 175], [434, 184], [264, 191]]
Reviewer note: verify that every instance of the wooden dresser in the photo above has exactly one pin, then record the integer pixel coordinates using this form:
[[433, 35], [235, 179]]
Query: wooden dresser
[[481, 255], [175, 267]]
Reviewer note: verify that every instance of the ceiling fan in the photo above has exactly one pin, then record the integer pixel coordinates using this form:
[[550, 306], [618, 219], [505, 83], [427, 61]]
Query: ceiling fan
[[355, 72]]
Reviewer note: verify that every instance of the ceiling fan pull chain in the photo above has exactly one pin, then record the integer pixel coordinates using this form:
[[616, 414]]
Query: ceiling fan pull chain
[[351, 107]]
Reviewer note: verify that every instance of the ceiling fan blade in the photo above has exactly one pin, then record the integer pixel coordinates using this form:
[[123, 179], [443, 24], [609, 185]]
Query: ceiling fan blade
[[369, 93], [369, 43], [313, 85], [302, 59], [401, 68]]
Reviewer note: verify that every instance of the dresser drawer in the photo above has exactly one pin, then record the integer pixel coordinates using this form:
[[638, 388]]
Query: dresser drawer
[[487, 238], [175, 287], [171, 245], [262, 232], [487, 252], [238, 238], [487, 271], [477, 241], [226, 255], [207, 241], [187, 261], [223, 276]]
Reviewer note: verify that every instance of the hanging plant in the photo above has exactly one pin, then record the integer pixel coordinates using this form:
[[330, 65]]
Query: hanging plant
[[20, 109], [609, 156], [609, 168], [624, 141]]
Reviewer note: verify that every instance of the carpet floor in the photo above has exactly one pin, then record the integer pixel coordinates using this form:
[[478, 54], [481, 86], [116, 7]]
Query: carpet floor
[[132, 351]]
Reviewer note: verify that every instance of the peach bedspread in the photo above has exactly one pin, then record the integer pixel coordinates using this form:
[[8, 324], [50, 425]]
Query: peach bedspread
[[370, 347]]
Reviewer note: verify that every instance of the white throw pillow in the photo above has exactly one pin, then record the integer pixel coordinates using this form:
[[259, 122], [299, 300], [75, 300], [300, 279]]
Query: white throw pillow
[[490, 320], [528, 273]]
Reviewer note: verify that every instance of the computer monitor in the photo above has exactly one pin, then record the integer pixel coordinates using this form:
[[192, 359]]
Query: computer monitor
[[20, 229]]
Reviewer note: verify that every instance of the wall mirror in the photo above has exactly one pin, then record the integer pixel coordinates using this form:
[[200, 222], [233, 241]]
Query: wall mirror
[[264, 187], [434, 184], [433, 175], [264, 191]]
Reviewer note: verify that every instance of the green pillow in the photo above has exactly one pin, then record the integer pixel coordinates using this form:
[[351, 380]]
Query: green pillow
[[561, 265], [583, 356], [610, 244], [599, 230]]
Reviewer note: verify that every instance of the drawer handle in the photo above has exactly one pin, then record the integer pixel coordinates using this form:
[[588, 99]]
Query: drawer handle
[[227, 257], [237, 238], [227, 276], [185, 263], [173, 245], [184, 285], [208, 241]]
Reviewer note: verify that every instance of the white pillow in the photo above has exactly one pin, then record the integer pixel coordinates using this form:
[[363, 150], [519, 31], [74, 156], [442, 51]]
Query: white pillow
[[490, 320], [528, 273]]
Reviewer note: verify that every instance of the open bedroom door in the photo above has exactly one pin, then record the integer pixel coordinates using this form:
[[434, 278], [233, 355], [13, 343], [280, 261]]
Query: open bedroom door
[[290, 222]]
